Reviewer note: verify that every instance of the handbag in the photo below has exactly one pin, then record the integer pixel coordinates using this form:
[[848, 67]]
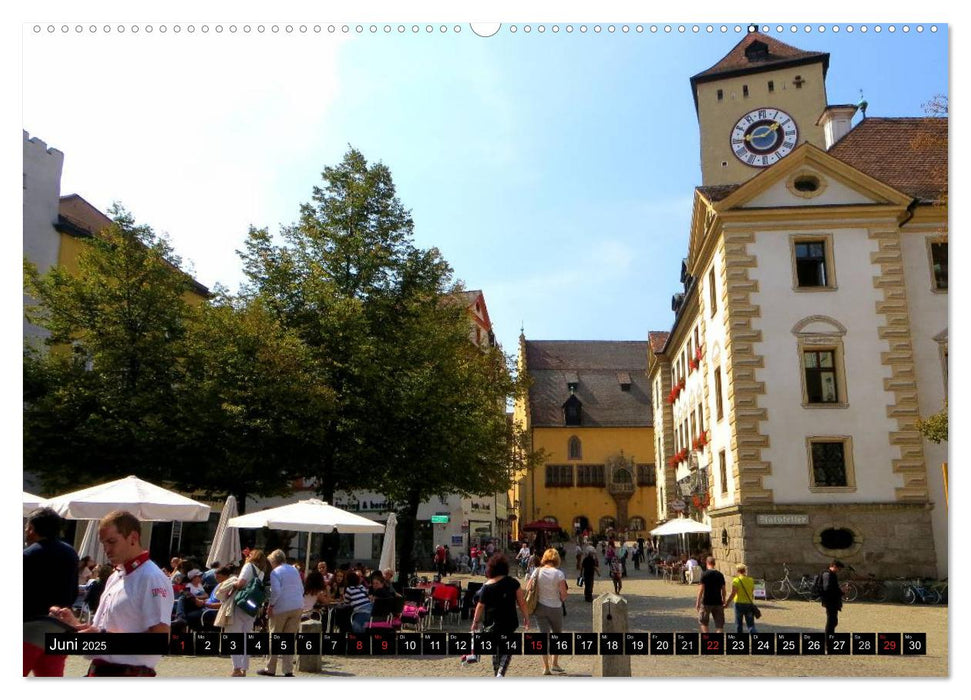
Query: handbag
[[250, 597], [532, 593], [755, 608]]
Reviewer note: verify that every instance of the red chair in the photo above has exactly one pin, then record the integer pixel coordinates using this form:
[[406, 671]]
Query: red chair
[[445, 602]]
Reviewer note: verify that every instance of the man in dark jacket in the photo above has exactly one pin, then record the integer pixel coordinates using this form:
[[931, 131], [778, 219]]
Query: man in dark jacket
[[832, 596], [50, 579]]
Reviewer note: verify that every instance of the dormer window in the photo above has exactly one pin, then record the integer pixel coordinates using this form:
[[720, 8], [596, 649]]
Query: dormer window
[[572, 411], [757, 51], [572, 382], [623, 378]]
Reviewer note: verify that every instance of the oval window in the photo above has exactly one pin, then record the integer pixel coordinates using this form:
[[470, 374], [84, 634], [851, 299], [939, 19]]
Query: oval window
[[837, 538], [806, 183]]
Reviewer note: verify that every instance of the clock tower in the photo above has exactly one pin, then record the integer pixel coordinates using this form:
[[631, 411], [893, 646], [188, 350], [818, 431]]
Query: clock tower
[[756, 105]]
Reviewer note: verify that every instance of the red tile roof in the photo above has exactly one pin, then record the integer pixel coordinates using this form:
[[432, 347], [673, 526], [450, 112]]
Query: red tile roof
[[657, 340], [775, 55], [907, 153]]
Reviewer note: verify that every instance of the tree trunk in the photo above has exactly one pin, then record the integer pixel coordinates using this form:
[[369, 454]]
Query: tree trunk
[[407, 525]]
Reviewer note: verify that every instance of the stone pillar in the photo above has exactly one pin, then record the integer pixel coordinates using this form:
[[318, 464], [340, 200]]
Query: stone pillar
[[610, 615], [309, 663]]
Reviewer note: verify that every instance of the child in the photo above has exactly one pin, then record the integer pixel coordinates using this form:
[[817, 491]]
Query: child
[[616, 572]]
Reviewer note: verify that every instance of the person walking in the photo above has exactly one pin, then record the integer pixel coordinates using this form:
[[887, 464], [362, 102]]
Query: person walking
[[137, 598], [710, 602], [591, 567], [239, 622], [284, 608], [499, 598], [743, 593], [50, 580], [832, 595], [551, 585]]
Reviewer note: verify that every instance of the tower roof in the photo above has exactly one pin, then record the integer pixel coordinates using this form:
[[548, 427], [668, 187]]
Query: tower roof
[[756, 53]]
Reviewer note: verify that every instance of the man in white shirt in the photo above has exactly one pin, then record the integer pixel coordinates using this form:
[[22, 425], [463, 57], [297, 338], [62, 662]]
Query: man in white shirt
[[137, 597], [285, 606]]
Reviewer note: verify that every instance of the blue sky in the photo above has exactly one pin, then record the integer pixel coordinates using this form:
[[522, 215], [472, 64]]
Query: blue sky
[[554, 170]]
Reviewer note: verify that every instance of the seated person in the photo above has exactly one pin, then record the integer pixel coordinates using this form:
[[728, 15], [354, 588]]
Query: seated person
[[380, 587], [192, 600], [201, 616], [356, 598]]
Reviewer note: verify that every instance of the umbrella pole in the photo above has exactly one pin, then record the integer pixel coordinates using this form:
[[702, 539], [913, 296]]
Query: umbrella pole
[[306, 566]]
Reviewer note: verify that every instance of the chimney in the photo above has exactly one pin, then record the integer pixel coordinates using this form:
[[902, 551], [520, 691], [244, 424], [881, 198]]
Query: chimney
[[836, 120]]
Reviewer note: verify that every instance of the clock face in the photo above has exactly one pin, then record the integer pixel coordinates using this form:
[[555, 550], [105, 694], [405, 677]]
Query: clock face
[[764, 136]]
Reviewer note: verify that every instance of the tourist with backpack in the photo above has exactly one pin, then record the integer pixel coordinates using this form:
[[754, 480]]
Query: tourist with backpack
[[244, 607]]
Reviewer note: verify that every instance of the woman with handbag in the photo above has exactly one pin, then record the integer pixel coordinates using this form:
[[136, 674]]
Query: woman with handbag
[[500, 596], [743, 593], [240, 618], [545, 597]]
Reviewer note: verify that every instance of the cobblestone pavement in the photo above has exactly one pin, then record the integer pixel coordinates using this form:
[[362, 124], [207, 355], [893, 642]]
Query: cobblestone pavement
[[654, 606]]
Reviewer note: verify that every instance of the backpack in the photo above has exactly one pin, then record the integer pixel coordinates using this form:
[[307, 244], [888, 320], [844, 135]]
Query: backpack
[[249, 598], [818, 586]]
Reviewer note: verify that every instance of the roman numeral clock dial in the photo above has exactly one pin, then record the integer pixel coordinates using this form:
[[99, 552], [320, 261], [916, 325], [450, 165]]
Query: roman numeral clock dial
[[764, 136]]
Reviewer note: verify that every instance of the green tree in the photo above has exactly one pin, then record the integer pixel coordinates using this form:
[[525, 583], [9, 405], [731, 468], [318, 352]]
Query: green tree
[[251, 406], [419, 410], [439, 422], [349, 245], [98, 404]]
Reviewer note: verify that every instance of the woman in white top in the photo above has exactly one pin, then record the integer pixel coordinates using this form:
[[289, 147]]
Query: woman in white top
[[552, 594], [240, 622]]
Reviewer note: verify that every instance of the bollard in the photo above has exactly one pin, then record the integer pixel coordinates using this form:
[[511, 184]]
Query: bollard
[[309, 663], [610, 615]]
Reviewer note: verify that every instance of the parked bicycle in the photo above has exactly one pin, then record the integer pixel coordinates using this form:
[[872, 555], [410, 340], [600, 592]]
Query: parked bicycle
[[870, 588], [941, 588], [783, 588], [917, 592]]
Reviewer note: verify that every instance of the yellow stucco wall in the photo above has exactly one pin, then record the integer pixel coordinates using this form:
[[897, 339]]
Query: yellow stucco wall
[[71, 248], [717, 118], [598, 444]]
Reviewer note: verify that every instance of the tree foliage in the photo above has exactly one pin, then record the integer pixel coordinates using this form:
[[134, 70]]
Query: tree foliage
[[934, 428], [419, 410], [99, 404]]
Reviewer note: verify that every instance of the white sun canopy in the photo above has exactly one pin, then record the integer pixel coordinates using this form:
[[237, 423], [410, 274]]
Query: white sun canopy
[[144, 500], [680, 526], [307, 516]]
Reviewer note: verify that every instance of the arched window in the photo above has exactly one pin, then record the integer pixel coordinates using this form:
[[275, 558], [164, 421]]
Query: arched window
[[607, 523], [622, 476], [574, 448], [635, 524]]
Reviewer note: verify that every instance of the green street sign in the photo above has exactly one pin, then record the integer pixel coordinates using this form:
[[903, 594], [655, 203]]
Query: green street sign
[[441, 519]]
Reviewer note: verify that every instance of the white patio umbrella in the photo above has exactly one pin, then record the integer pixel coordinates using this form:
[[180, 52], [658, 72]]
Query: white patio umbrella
[[31, 503], [388, 547], [91, 545], [308, 516], [144, 500], [225, 544], [680, 526]]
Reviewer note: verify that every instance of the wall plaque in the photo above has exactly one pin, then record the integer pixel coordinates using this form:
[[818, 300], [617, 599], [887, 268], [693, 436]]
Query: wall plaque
[[782, 519]]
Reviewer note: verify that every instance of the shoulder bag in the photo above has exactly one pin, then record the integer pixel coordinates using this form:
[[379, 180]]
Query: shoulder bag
[[755, 608], [532, 592], [251, 596]]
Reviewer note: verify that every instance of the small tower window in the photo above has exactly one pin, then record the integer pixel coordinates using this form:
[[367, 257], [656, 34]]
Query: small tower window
[[771, 86], [720, 95], [798, 81], [745, 91]]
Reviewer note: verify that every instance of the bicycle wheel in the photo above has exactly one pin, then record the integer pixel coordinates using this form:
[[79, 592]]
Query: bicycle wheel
[[910, 595], [780, 590], [850, 591], [932, 596], [878, 593]]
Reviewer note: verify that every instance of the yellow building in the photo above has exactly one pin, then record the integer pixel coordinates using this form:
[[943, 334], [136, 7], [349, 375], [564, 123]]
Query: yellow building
[[811, 331], [588, 411]]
